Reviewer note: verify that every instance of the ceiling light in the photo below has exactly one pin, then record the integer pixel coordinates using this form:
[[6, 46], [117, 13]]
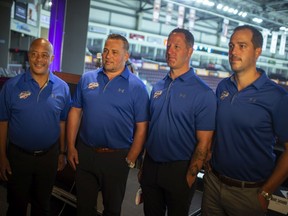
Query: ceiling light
[[257, 20], [208, 3], [219, 6], [244, 14], [231, 10], [226, 8]]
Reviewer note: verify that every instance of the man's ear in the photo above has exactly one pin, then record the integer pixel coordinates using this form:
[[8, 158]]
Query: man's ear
[[127, 55], [258, 52]]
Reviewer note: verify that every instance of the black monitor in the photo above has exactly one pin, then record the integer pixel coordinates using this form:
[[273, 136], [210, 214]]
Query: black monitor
[[20, 12]]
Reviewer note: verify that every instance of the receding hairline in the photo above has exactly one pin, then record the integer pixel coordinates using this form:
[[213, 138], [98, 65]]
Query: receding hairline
[[43, 42]]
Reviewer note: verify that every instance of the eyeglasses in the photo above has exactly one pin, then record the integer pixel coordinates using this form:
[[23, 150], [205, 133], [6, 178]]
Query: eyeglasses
[[35, 55]]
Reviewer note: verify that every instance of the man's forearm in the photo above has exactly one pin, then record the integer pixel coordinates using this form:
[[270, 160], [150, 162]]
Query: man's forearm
[[138, 142], [280, 173], [3, 137], [62, 138], [72, 127], [198, 159]]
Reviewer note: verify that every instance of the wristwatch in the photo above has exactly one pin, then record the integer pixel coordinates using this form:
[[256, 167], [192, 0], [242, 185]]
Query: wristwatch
[[130, 163], [266, 195]]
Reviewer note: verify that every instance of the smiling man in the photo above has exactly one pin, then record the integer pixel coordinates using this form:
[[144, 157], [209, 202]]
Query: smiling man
[[33, 111], [112, 105]]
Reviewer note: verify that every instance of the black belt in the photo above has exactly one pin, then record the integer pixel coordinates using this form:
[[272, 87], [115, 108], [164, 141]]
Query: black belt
[[34, 153], [236, 183]]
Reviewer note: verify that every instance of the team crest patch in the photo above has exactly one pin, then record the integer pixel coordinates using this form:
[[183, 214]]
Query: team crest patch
[[93, 85], [224, 94], [24, 94], [157, 94]]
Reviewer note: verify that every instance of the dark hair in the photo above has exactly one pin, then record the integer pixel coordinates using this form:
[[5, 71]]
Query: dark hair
[[188, 36], [257, 38], [119, 37]]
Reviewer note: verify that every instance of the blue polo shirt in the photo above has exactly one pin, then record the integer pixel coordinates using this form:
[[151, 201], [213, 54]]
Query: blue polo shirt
[[248, 122], [110, 108], [178, 109], [34, 114]]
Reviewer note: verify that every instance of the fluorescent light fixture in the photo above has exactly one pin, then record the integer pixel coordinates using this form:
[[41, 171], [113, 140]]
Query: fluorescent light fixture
[[208, 3], [219, 6], [231, 10], [226, 8], [257, 20]]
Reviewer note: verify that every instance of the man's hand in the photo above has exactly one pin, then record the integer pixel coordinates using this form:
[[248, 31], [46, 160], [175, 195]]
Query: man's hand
[[263, 202], [73, 157], [61, 162], [4, 168]]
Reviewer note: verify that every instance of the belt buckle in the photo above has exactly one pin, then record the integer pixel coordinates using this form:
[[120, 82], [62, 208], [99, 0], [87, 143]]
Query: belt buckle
[[36, 153], [106, 149]]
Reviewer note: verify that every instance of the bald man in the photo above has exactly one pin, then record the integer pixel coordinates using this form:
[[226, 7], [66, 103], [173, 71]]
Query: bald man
[[33, 111]]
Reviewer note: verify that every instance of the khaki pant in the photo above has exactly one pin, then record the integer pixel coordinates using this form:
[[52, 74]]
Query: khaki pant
[[223, 200]]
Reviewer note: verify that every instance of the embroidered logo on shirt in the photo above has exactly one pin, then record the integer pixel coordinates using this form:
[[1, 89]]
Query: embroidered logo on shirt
[[224, 94], [182, 95], [252, 100], [157, 94], [121, 90], [93, 85], [24, 94]]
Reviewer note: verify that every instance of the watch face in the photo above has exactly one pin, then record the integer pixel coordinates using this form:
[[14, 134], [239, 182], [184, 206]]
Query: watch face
[[131, 165], [266, 195]]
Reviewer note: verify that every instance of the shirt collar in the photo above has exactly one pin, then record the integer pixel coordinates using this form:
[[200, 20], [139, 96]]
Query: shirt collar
[[184, 76], [258, 83], [125, 73], [28, 76]]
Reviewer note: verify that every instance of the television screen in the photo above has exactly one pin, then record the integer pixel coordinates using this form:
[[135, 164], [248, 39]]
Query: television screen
[[20, 11]]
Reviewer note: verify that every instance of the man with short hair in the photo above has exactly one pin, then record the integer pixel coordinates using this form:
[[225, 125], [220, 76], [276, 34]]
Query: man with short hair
[[182, 122], [251, 114], [112, 105], [33, 111]]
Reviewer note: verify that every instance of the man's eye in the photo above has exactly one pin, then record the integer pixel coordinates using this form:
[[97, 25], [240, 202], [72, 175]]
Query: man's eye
[[45, 56]]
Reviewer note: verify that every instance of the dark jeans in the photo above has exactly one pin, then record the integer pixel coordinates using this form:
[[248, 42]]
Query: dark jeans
[[31, 181], [164, 185], [105, 171]]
